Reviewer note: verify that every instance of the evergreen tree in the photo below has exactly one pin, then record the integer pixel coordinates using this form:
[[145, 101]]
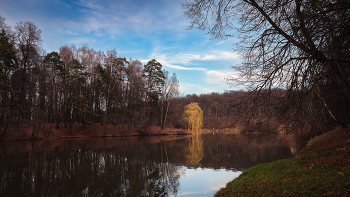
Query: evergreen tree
[[156, 77], [8, 60]]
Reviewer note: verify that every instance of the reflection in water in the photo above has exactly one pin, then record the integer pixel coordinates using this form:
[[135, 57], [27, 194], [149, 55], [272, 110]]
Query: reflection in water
[[242, 152], [127, 166], [130, 169], [194, 152]]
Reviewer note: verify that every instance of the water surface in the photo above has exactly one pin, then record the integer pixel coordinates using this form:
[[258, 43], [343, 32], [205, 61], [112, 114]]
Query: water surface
[[135, 166]]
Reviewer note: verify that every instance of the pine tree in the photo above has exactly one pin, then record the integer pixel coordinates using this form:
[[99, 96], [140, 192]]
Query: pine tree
[[8, 60], [153, 70]]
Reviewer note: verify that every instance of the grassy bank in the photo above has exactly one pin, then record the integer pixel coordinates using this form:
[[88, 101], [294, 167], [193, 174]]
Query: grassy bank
[[322, 169]]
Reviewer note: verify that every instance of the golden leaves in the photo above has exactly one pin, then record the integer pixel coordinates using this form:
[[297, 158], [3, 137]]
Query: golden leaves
[[193, 116]]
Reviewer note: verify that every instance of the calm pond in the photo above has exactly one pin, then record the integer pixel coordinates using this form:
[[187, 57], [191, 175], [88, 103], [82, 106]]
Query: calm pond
[[134, 166]]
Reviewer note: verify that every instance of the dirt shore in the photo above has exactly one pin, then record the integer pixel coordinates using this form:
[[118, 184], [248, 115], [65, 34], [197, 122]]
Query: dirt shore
[[48, 131]]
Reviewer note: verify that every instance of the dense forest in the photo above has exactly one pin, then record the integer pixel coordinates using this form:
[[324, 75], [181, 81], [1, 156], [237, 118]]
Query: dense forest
[[77, 84], [83, 85], [80, 84]]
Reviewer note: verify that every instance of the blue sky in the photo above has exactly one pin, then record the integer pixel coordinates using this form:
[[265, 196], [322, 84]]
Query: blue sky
[[143, 30]]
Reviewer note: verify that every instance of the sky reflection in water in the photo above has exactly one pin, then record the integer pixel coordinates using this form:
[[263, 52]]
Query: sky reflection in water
[[138, 166], [204, 182]]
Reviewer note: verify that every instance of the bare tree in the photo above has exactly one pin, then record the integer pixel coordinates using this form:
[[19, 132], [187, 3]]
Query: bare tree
[[135, 83], [297, 45], [169, 91], [28, 45]]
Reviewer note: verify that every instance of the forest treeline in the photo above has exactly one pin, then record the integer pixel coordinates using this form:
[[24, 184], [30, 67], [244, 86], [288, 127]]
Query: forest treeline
[[82, 85], [77, 84]]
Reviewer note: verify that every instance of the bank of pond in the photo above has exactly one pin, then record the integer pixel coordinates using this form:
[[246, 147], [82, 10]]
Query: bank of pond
[[182, 165], [322, 169]]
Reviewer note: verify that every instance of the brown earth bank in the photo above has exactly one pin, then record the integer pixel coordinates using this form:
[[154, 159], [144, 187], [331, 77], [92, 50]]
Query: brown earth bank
[[43, 131], [23, 146], [336, 144]]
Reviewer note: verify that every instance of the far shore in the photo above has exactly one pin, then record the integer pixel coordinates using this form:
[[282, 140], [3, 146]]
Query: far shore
[[48, 131]]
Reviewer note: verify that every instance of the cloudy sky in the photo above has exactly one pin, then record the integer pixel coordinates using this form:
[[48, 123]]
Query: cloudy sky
[[137, 29]]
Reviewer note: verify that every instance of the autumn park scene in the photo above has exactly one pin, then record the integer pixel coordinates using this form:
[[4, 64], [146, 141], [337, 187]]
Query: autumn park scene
[[175, 98]]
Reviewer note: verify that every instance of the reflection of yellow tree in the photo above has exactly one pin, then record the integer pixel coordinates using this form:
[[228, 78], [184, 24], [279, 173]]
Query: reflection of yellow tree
[[194, 152]]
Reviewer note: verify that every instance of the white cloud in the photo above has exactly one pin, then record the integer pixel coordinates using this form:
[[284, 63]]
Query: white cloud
[[113, 16], [182, 67], [220, 43], [223, 74], [188, 58], [165, 63], [188, 88], [208, 90], [80, 41], [184, 87], [215, 76], [221, 55], [180, 60]]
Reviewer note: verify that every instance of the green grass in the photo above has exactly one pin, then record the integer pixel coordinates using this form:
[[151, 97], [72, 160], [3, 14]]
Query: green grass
[[311, 141], [291, 177], [315, 155]]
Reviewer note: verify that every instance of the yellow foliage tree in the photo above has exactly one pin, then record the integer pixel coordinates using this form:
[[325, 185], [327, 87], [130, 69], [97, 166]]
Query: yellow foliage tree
[[193, 116]]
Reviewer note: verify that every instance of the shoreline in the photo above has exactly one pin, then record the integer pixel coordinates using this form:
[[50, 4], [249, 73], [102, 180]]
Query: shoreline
[[47, 131], [323, 168]]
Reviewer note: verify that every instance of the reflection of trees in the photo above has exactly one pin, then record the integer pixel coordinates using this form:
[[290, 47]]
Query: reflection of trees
[[194, 152], [242, 152], [131, 170], [161, 177], [125, 167]]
